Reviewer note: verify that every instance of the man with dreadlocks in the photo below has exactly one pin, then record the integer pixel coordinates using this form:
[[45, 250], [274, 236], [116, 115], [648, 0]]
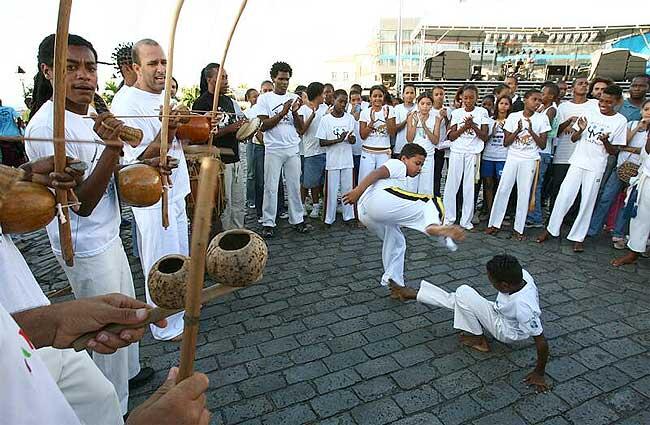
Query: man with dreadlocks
[[124, 65], [101, 266], [155, 241]]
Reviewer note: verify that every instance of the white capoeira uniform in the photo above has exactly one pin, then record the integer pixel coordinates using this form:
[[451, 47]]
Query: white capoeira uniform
[[154, 241], [463, 160], [588, 163], [385, 207], [100, 263], [521, 165], [512, 317], [338, 163], [640, 224], [90, 394], [376, 147], [281, 156], [423, 182], [401, 112]]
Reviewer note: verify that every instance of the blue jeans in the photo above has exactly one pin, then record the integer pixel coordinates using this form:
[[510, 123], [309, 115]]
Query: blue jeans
[[611, 189], [250, 173], [258, 159], [545, 162]]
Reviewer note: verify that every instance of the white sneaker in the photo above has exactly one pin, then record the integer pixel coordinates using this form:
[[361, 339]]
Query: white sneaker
[[305, 213], [284, 215], [315, 212]]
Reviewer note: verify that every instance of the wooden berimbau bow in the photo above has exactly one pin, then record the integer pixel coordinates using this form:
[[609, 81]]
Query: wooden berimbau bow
[[164, 130], [60, 64], [217, 89]]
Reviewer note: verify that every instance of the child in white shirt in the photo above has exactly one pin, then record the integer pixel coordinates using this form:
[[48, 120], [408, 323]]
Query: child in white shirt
[[514, 316], [336, 135], [385, 206]]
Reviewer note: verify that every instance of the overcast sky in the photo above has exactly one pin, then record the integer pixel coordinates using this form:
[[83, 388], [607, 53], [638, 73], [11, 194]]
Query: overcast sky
[[304, 33]]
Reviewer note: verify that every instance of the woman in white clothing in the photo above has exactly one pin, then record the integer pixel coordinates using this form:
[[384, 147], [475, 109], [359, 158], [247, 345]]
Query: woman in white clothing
[[423, 128], [376, 127]]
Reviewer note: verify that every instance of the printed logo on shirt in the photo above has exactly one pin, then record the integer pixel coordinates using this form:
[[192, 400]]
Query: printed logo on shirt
[[594, 131], [339, 131], [287, 119]]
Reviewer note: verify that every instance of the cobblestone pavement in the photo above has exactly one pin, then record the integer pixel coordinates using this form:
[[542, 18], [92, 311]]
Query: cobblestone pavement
[[319, 341]]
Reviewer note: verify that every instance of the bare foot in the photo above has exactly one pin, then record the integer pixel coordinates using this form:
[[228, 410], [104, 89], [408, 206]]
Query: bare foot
[[518, 236], [544, 237], [491, 230], [629, 258], [475, 342], [578, 247], [402, 293]]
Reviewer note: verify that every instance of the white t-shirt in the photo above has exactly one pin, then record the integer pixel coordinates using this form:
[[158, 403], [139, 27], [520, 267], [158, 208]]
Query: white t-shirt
[[339, 155], [29, 395], [421, 136], [310, 142], [140, 102], [468, 142], [590, 153], [638, 141], [120, 93], [91, 235], [443, 127], [401, 112], [564, 146], [520, 311], [284, 134], [378, 137], [19, 290], [494, 149], [524, 146]]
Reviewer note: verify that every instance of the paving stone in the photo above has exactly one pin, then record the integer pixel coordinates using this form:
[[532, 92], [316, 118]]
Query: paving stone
[[299, 414], [419, 419], [344, 360], [413, 355], [538, 407], [220, 397], [247, 409], [383, 347], [495, 396], [564, 368], [641, 418], [455, 384], [372, 389], [262, 384], [377, 412], [314, 336], [293, 394], [615, 329], [377, 333], [222, 377], [625, 401], [643, 386], [268, 365], [636, 367], [592, 412], [239, 356], [461, 410], [594, 357], [622, 347], [417, 399], [415, 376], [337, 380], [502, 417], [491, 369], [332, 403], [576, 391], [305, 372], [607, 378], [376, 367], [347, 342], [309, 353]]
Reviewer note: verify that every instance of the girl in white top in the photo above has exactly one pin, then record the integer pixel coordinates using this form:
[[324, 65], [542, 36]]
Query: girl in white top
[[595, 134], [384, 207], [525, 135], [494, 155], [376, 126], [336, 135], [442, 148], [402, 112], [468, 132], [423, 128], [640, 222]]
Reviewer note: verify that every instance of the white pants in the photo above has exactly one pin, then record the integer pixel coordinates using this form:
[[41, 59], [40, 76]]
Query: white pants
[[154, 242], [472, 312], [337, 179], [640, 225], [102, 274], [276, 161], [370, 161], [234, 213], [577, 179], [384, 213], [522, 172], [461, 167], [86, 389], [423, 182]]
